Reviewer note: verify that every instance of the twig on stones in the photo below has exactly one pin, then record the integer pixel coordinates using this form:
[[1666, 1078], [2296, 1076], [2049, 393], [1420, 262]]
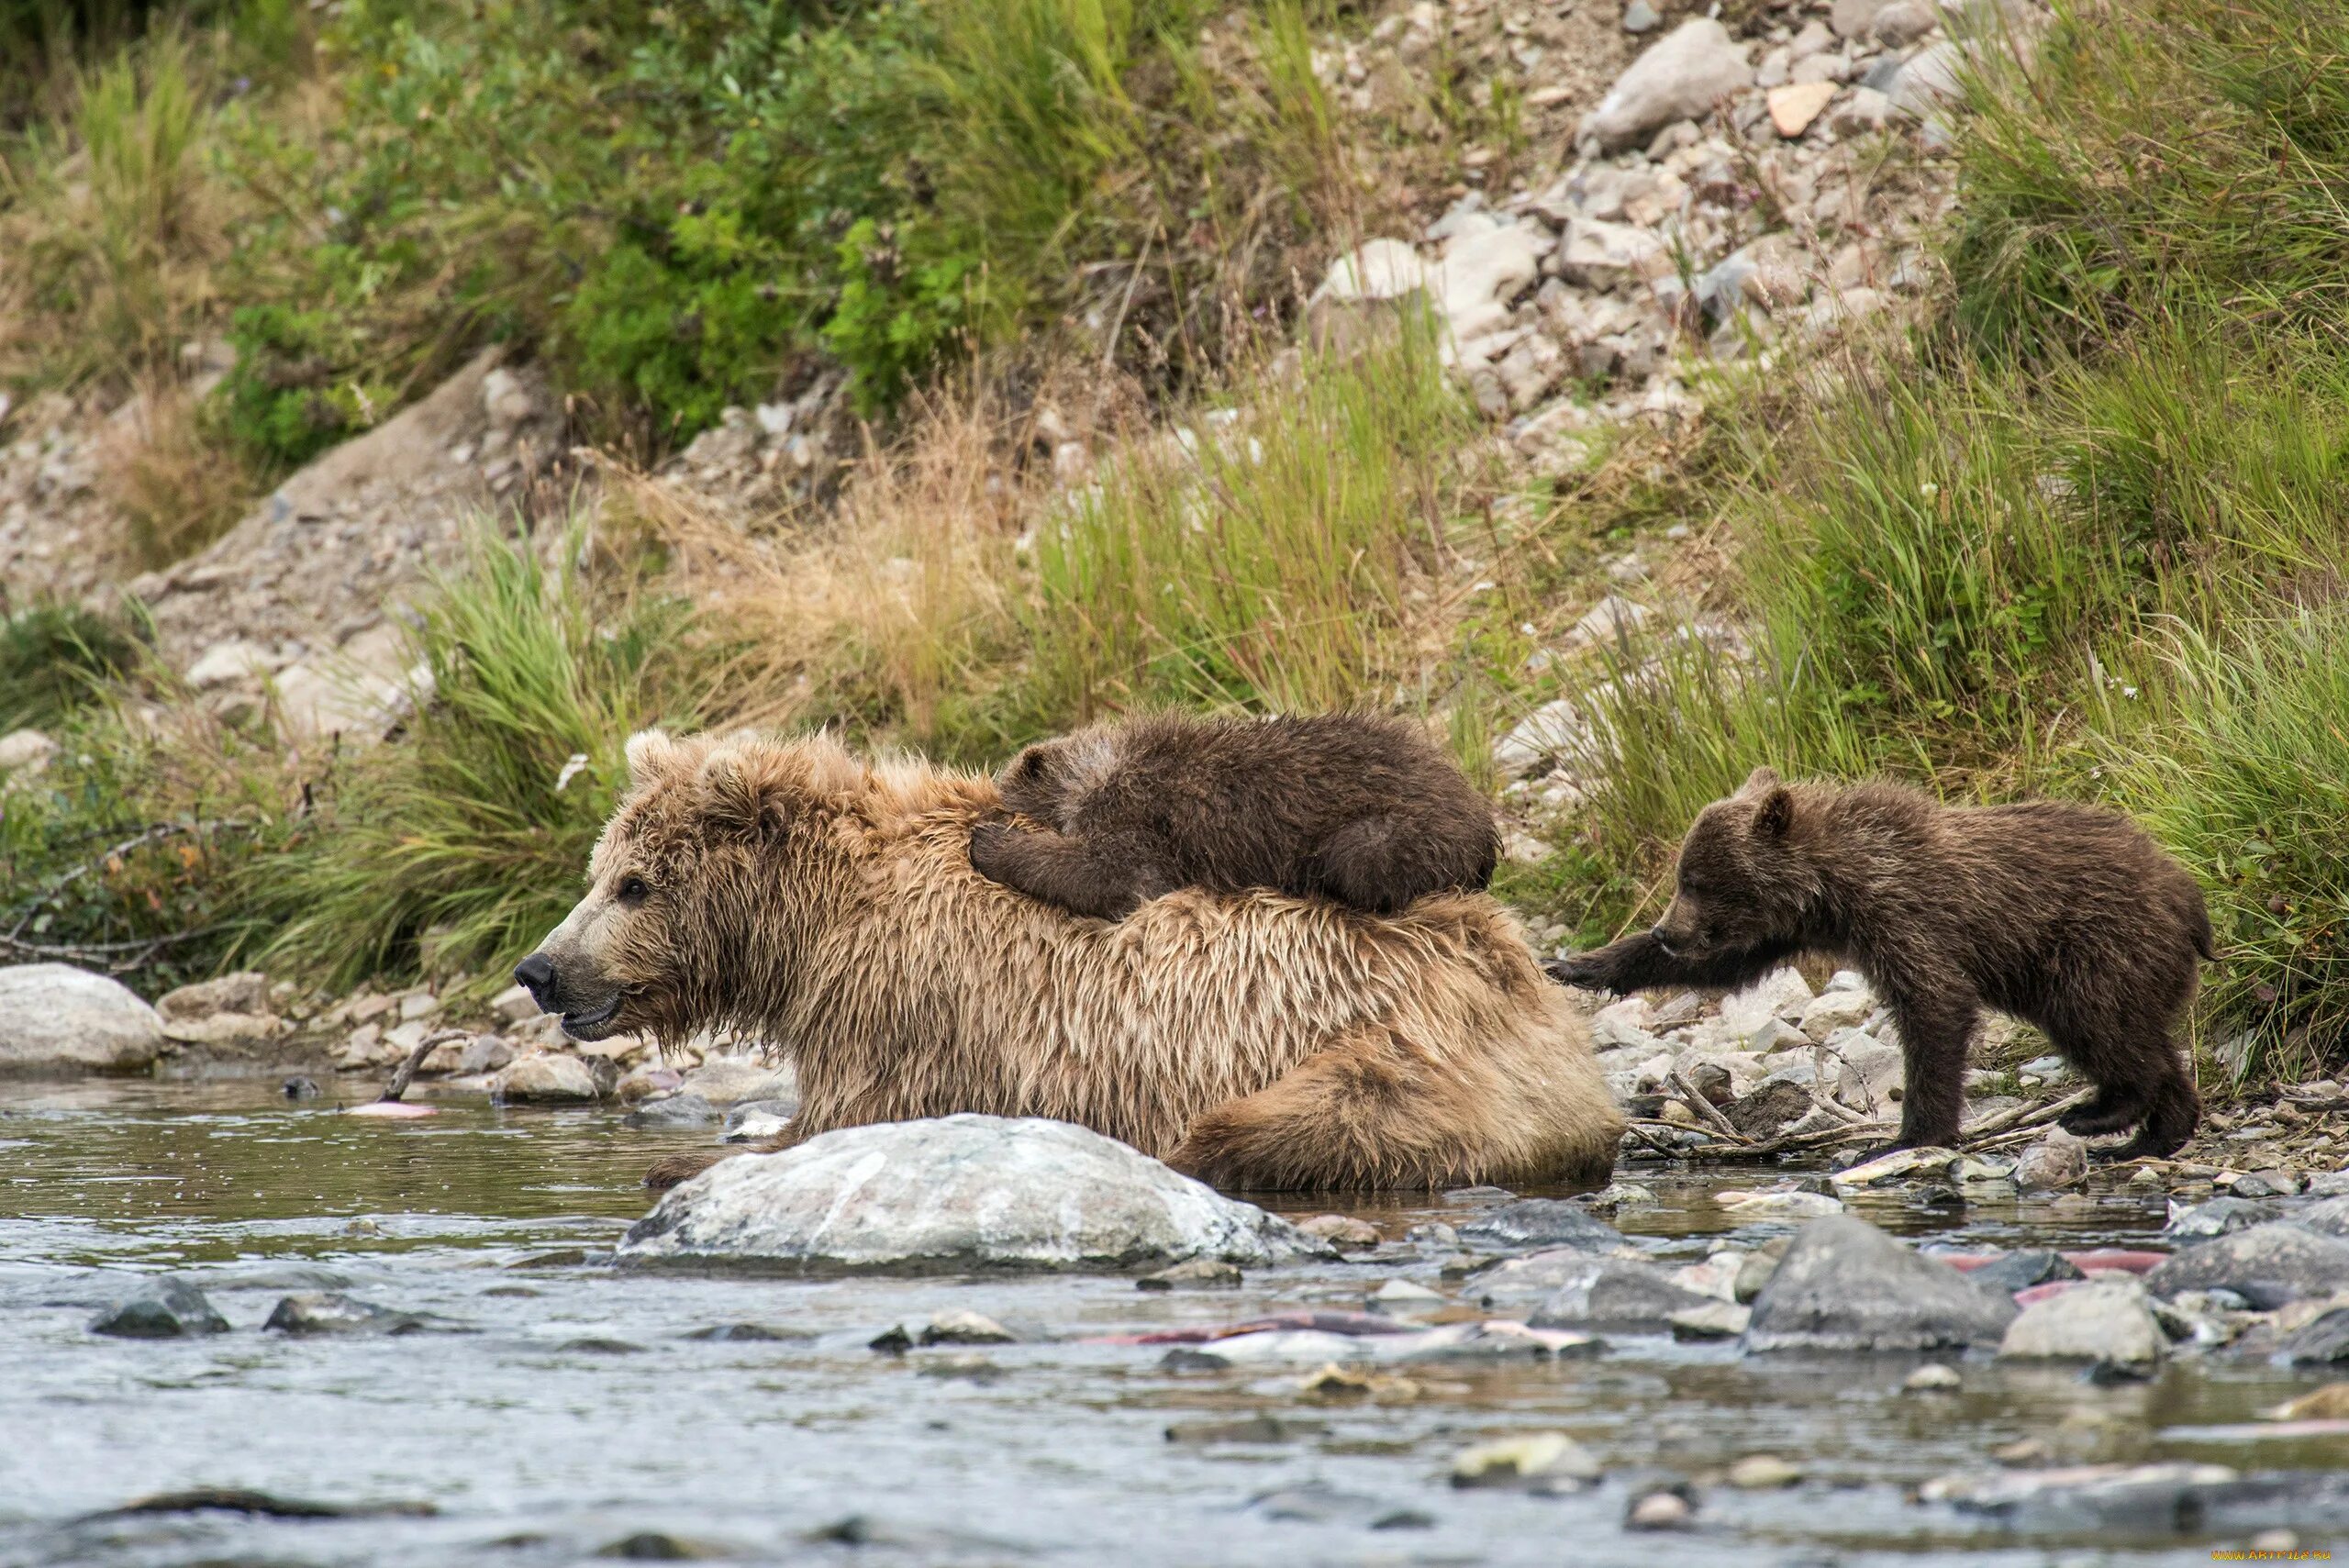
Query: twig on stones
[[423, 1048], [2020, 1116], [1705, 1109]]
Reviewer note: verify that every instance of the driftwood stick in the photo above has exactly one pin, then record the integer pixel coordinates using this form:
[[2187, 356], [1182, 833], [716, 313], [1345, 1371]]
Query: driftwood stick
[[423, 1048]]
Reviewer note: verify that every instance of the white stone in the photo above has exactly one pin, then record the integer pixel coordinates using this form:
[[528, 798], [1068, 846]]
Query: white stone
[[548, 1078], [1612, 617], [1555, 729], [1379, 269], [513, 1005], [1928, 81], [1832, 1010], [1602, 255], [1865, 110], [1853, 18], [1622, 1024], [228, 663], [1782, 992], [1481, 271], [2102, 1321], [57, 1019], [1525, 850], [1871, 1076], [955, 1193], [733, 1080], [26, 751], [1679, 78]]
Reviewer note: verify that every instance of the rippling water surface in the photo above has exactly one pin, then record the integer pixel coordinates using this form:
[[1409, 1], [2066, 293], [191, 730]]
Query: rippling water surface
[[559, 1411]]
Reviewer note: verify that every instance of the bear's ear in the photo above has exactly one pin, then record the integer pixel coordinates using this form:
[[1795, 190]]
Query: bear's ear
[[743, 795], [1760, 781], [651, 755], [1776, 813]]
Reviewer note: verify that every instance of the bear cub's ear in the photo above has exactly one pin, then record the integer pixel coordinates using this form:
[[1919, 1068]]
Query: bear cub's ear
[[1760, 781], [1774, 814]]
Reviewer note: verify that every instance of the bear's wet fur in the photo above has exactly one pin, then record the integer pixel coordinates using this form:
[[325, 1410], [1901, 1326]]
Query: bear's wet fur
[[803, 896], [2065, 916], [1353, 806]]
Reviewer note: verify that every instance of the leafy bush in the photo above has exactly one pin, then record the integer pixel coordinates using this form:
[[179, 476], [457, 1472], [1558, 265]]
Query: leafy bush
[[132, 851], [281, 400], [55, 659]]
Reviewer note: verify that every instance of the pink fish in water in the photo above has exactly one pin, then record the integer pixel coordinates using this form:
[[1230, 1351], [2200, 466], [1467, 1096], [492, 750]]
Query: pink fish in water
[[397, 1110]]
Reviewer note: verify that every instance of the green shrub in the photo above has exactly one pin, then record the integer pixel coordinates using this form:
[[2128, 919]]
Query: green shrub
[[132, 851], [283, 402], [56, 659], [465, 841]]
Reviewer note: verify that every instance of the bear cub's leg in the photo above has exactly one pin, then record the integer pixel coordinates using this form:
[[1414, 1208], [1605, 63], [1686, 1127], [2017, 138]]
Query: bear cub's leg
[[1078, 874], [1935, 1028]]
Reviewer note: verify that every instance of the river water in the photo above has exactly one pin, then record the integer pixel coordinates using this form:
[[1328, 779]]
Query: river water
[[558, 1410]]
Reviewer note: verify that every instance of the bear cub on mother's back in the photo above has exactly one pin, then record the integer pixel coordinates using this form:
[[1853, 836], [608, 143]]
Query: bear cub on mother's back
[[2066, 917], [1353, 806]]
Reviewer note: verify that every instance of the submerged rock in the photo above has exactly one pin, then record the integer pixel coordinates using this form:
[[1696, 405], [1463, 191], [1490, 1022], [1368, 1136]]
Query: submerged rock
[[1541, 1222], [2222, 1216], [953, 1193], [1199, 1273], [331, 1312], [756, 1122], [1616, 1292], [2021, 1271], [1537, 1461], [160, 1309], [684, 1109], [1846, 1285], [2274, 1261], [56, 1019]]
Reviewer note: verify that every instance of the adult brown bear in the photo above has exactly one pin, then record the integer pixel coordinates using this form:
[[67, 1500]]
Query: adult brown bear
[[796, 893]]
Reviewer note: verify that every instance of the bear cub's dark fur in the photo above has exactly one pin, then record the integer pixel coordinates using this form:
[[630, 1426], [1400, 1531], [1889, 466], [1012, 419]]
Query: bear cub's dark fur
[[1353, 806], [2066, 917]]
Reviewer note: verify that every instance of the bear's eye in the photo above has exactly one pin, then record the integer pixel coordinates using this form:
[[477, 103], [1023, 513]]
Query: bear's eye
[[634, 890]]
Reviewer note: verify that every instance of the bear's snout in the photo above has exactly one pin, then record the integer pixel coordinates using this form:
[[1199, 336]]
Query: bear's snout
[[534, 974]]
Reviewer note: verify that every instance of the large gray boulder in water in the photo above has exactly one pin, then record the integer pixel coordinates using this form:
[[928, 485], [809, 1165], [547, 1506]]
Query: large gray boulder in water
[[2270, 1264], [953, 1194], [1845, 1285], [59, 1021]]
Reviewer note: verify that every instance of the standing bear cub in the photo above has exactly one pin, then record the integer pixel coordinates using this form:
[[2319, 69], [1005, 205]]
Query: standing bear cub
[[2066, 917], [1353, 806]]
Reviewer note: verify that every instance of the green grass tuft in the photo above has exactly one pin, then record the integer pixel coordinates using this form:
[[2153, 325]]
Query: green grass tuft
[[460, 845]]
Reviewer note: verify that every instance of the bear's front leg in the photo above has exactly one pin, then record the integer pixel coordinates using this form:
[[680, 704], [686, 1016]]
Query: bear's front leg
[[1073, 873]]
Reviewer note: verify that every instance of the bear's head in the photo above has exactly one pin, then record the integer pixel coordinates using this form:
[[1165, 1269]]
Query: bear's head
[[1047, 780], [1741, 881], [695, 904]]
